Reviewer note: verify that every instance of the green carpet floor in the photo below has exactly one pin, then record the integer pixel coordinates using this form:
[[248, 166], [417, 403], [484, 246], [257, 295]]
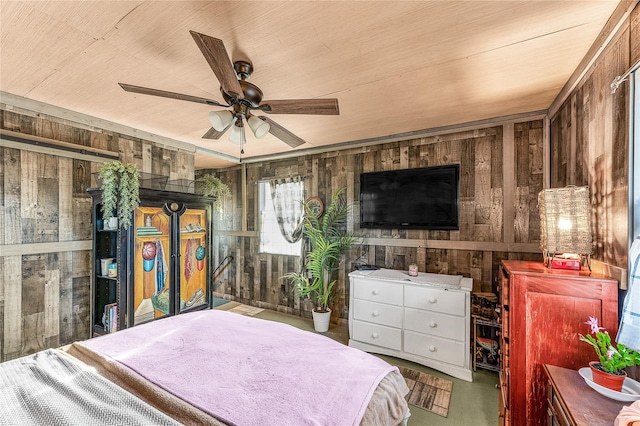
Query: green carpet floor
[[472, 404]]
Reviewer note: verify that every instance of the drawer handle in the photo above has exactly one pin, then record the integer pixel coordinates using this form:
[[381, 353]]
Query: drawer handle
[[375, 314], [375, 292], [433, 324], [375, 335], [432, 300], [432, 348]]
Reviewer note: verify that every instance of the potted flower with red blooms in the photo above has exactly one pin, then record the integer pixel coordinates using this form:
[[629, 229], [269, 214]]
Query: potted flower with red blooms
[[613, 358]]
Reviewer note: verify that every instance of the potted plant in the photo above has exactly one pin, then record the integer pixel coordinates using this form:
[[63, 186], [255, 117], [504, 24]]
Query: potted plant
[[212, 186], [120, 191], [613, 358], [329, 241]]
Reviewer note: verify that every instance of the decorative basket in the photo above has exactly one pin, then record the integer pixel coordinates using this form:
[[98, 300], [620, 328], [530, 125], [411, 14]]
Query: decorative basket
[[181, 185]]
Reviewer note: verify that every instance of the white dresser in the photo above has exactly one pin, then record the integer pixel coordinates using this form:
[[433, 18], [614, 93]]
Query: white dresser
[[424, 319]]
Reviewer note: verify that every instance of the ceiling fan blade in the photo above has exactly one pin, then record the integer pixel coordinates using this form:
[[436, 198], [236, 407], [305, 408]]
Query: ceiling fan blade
[[216, 55], [301, 106], [214, 134], [172, 95], [283, 134]]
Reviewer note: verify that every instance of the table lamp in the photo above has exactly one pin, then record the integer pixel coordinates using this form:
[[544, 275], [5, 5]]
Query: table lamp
[[565, 226]]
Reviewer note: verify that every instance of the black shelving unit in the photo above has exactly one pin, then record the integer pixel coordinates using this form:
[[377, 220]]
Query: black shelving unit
[[105, 289], [486, 343], [187, 223]]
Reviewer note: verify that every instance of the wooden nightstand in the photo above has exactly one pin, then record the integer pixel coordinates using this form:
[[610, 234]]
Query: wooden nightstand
[[572, 402]]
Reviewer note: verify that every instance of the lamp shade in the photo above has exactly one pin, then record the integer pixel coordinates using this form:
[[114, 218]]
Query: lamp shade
[[258, 127], [237, 135], [565, 220], [220, 120]]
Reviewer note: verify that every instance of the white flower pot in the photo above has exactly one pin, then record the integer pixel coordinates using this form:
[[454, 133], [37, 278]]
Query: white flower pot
[[321, 320]]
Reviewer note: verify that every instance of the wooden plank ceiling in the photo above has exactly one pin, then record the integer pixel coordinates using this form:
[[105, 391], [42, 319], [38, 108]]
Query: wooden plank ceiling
[[395, 67]]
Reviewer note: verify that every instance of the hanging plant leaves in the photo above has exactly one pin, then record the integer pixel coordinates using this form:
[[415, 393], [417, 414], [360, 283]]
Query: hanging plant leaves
[[120, 191], [212, 186]]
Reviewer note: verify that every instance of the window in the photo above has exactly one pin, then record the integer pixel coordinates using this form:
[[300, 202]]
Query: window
[[634, 156], [271, 239]]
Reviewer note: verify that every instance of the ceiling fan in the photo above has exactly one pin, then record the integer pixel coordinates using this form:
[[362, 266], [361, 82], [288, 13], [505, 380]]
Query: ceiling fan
[[243, 98]]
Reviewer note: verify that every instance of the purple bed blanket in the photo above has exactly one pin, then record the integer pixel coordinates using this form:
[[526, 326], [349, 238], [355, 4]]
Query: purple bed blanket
[[248, 371]]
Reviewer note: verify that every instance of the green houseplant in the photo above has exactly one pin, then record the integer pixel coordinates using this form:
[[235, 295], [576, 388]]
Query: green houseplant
[[329, 241], [212, 186], [612, 358], [120, 191]]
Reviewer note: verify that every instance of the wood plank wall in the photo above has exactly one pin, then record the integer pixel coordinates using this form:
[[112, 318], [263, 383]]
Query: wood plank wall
[[501, 175], [45, 212], [589, 144], [45, 229]]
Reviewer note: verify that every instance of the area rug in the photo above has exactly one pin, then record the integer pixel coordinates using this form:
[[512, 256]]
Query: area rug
[[246, 310], [428, 392]]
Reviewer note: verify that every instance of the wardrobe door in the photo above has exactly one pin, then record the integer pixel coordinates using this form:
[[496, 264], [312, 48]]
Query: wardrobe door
[[151, 264], [193, 261]]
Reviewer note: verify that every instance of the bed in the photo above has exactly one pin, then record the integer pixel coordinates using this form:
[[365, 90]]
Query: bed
[[205, 367]]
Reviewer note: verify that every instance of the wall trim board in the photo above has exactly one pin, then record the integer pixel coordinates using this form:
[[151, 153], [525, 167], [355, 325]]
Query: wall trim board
[[435, 131], [41, 145], [546, 154], [10, 100], [508, 182], [616, 23], [420, 243], [212, 153], [40, 248], [244, 197], [453, 245], [220, 233]]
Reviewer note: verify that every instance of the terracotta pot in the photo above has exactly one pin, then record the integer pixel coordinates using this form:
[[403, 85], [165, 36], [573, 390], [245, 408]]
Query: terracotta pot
[[608, 380]]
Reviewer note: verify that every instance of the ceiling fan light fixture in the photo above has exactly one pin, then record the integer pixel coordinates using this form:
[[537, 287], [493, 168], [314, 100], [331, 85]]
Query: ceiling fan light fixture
[[258, 127], [220, 120], [237, 135]]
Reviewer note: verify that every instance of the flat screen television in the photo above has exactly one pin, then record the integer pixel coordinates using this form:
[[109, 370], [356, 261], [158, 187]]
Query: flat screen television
[[421, 198]]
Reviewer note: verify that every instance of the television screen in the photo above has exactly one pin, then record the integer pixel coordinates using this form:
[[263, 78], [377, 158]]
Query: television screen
[[422, 198]]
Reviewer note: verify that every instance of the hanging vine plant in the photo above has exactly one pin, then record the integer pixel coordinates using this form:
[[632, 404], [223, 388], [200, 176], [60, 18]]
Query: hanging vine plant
[[212, 186], [120, 191]]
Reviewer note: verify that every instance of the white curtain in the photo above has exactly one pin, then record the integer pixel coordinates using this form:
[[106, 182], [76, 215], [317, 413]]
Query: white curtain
[[287, 196]]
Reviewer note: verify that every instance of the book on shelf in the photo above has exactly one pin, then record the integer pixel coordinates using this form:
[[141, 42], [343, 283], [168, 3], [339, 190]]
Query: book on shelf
[[147, 230], [110, 318]]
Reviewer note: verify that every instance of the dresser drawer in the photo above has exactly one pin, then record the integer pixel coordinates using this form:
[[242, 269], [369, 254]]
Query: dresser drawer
[[378, 313], [449, 326], [377, 291], [449, 351], [555, 410], [436, 300], [378, 335]]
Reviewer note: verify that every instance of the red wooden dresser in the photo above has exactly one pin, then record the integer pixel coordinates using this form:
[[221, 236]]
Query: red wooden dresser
[[543, 310]]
